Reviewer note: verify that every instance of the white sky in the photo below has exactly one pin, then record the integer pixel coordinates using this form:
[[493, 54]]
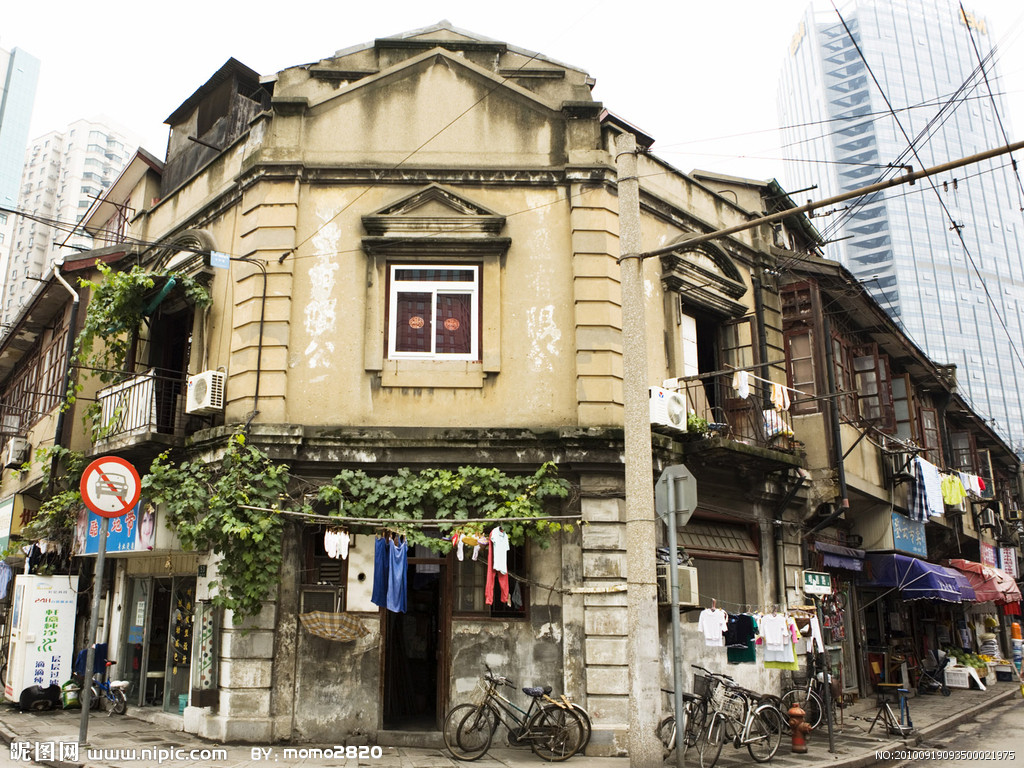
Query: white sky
[[684, 72]]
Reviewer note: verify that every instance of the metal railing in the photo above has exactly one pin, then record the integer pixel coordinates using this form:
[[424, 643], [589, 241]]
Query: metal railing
[[153, 401], [717, 409]]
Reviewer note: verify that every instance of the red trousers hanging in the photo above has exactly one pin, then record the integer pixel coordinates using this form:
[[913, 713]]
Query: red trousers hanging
[[502, 581]]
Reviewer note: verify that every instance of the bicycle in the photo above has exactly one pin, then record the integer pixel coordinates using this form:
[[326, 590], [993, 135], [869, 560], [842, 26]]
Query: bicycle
[[112, 693], [695, 708], [554, 731], [810, 697], [740, 715]]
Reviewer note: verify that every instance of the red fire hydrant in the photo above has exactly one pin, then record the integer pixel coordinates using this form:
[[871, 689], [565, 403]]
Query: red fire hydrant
[[799, 728]]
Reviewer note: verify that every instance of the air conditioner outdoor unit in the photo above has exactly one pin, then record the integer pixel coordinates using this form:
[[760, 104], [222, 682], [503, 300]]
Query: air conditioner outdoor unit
[[987, 518], [16, 452], [687, 585], [205, 393], [668, 409], [1013, 515]]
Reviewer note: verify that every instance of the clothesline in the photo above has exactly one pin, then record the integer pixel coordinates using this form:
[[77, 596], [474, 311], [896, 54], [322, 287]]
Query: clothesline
[[769, 381], [425, 522]]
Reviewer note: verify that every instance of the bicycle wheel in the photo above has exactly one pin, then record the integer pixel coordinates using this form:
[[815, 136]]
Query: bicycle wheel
[[667, 735], [766, 728], [94, 698], [119, 702], [696, 717], [709, 743], [555, 733], [809, 703], [587, 725], [467, 731]]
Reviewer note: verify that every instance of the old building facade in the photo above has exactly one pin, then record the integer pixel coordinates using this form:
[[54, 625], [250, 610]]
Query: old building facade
[[411, 249]]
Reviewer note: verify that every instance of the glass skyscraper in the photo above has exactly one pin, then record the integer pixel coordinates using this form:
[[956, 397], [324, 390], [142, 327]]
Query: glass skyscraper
[[938, 91], [19, 74]]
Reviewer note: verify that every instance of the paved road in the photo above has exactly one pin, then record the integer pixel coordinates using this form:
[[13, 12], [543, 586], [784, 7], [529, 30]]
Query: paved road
[[995, 737]]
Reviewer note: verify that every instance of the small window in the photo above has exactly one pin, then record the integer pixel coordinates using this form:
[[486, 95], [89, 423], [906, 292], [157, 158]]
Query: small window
[[323, 577], [471, 581], [433, 312]]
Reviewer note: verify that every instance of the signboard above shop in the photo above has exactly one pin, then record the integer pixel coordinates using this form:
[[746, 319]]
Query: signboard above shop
[[138, 531]]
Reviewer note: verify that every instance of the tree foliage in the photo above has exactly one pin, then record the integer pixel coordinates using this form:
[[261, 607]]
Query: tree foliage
[[58, 514], [466, 493], [207, 507]]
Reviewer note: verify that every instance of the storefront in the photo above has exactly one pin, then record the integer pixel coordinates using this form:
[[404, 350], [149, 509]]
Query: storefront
[[909, 607], [838, 610], [148, 620]]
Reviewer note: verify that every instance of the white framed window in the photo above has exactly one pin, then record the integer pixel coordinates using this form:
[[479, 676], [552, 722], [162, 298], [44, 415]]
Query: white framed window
[[433, 311]]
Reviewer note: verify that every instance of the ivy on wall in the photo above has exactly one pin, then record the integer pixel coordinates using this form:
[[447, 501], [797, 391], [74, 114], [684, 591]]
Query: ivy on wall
[[450, 494], [119, 303], [58, 514], [207, 507]]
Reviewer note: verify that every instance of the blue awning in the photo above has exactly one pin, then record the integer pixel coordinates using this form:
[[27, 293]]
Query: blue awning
[[835, 556], [915, 579]]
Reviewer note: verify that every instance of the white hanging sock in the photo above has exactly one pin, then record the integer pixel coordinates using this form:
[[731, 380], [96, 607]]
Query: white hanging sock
[[343, 541]]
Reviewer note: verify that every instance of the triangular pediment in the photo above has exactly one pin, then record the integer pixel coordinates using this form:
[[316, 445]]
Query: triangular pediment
[[496, 85], [432, 210]]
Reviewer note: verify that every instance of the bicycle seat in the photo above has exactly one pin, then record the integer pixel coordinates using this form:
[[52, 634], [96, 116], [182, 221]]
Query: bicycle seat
[[537, 691]]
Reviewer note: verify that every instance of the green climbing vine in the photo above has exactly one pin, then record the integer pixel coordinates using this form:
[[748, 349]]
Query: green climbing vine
[[450, 494], [114, 315], [57, 515], [205, 508]]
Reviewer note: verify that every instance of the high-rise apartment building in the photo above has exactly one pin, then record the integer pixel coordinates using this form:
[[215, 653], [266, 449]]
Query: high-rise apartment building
[[65, 172], [944, 258], [19, 74]]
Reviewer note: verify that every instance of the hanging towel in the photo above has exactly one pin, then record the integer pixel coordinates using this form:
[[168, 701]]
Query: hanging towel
[[741, 383], [780, 397], [381, 558], [398, 553]]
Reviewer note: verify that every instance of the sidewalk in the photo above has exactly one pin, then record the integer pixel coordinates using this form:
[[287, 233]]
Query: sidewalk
[[113, 738]]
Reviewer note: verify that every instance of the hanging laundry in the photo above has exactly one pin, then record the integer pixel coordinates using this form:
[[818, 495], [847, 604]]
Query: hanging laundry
[[741, 383], [502, 580], [331, 543], [517, 596], [457, 542], [780, 397], [713, 623], [343, 542], [381, 559], [739, 639], [398, 553], [780, 634], [926, 495], [953, 491], [815, 642], [5, 579], [499, 546]]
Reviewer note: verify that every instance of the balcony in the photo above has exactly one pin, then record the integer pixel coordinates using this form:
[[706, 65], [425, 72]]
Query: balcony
[[749, 432], [146, 410]]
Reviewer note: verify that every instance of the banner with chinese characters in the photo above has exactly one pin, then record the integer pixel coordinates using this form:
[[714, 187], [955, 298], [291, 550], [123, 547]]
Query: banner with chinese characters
[[135, 531], [988, 555], [1008, 561], [908, 535]]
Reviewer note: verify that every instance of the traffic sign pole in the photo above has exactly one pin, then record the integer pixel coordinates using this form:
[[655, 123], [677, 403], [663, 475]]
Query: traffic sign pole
[[110, 486], [90, 654]]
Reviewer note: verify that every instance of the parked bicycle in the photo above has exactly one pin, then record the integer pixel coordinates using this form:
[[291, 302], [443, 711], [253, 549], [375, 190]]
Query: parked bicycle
[[554, 730], [741, 716], [112, 694], [695, 709], [810, 696]]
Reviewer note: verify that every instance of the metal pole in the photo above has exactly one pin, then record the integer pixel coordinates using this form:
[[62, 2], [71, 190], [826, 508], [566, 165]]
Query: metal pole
[[90, 654], [642, 647], [677, 635], [826, 676]]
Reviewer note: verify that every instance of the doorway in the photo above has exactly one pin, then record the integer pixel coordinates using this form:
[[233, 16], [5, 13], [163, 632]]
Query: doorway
[[415, 681]]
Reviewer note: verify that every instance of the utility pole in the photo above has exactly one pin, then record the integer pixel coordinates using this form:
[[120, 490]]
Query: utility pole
[[642, 645]]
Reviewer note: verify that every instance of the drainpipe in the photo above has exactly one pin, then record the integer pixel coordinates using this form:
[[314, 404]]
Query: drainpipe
[[69, 348], [762, 339], [837, 438]]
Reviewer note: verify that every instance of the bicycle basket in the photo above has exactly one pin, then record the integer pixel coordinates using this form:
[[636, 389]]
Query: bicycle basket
[[718, 694], [702, 684], [734, 706]]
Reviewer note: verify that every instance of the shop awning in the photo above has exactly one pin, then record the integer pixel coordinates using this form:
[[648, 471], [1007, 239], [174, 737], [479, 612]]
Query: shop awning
[[915, 579], [835, 556], [989, 583]]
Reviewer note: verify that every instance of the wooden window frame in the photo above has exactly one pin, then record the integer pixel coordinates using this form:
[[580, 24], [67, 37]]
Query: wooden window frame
[[801, 404], [497, 611]]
